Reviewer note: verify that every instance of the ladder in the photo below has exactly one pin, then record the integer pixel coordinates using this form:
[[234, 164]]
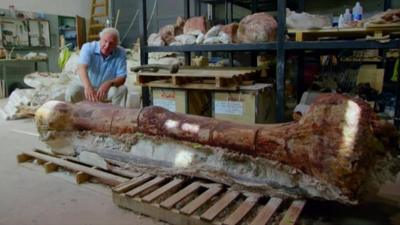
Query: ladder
[[98, 18]]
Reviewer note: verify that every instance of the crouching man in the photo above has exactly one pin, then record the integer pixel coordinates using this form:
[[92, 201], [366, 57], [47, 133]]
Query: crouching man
[[102, 71]]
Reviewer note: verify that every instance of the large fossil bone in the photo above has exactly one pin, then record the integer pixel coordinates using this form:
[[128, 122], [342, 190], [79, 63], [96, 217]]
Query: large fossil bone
[[334, 152]]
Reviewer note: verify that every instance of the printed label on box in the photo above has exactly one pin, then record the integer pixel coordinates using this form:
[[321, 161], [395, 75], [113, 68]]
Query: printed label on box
[[167, 104], [229, 107]]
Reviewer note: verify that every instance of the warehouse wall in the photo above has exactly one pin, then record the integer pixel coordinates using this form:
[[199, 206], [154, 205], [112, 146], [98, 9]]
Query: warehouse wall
[[165, 12], [56, 7]]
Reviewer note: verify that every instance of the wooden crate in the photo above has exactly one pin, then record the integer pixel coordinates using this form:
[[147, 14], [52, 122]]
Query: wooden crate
[[251, 104], [174, 100]]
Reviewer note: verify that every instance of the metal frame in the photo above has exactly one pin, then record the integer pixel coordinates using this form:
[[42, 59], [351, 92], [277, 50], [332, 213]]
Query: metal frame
[[280, 46]]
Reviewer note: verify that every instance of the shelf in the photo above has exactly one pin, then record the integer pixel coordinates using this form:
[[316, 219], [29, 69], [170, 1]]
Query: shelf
[[343, 44], [270, 46]]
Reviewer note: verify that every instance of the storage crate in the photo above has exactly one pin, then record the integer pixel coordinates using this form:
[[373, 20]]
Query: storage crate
[[251, 104], [174, 100]]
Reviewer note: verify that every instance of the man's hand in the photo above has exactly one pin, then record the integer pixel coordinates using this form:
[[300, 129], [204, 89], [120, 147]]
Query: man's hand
[[90, 94], [103, 90]]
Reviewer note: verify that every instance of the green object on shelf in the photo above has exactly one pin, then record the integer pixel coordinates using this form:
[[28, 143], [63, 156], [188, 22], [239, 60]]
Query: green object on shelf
[[63, 57], [395, 71]]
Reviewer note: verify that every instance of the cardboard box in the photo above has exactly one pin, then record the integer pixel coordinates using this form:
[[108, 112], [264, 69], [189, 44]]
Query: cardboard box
[[172, 99], [251, 104]]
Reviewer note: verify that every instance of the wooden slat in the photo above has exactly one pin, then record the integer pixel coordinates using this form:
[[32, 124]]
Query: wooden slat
[[50, 167], [132, 183], [220, 205], [145, 186], [293, 213], [94, 36], [81, 177], [24, 158], [171, 201], [99, 15], [265, 214], [203, 73], [242, 210], [40, 162], [102, 4], [204, 197], [155, 194], [105, 177], [96, 25]]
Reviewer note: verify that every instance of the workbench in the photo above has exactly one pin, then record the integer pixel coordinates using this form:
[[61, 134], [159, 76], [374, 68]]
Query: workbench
[[5, 62]]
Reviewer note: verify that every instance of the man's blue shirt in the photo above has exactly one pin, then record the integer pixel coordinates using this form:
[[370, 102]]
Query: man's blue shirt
[[99, 69]]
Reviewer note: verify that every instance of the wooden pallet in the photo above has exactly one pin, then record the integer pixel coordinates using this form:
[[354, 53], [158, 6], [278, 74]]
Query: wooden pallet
[[185, 201], [209, 79], [179, 199], [376, 32], [83, 172]]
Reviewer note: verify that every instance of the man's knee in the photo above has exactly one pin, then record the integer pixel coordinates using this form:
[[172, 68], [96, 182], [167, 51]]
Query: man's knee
[[74, 93], [117, 91]]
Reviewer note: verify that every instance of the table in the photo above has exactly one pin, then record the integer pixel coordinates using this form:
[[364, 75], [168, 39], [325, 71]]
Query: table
[[5, 62]]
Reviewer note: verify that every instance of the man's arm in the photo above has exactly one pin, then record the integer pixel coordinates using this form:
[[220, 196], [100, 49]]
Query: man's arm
[[120, 77], [105, 87], [90, 92]]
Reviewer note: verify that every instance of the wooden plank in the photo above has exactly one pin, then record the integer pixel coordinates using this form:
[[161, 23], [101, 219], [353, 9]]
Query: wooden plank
[[197, 86], [123, 187], [175, 183], [80, 31], [105, 177], [265, 214], [220, 205], [203, 198], [81, 177], [299, 36], [171, 201], [50, 167], [155, 211], [99, 15], [24, 158], [293, 212], [101, 4], [96, 25], [146, 186], [197, 73], [40, 162], [242, 210]]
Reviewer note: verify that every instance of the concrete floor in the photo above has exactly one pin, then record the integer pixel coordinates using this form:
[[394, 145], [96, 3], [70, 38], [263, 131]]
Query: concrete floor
[[28, 196]]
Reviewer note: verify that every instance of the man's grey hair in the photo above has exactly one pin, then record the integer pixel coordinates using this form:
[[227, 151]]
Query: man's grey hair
[[110, 30]]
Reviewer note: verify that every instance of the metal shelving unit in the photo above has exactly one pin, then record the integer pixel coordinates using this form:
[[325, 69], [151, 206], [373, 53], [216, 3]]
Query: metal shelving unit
[[281, 46]]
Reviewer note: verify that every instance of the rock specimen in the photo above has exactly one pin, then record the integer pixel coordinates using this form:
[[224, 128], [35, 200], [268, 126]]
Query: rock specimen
[[390, 16], [258, 27], [335, 151], [306, 21], [195, 24]]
